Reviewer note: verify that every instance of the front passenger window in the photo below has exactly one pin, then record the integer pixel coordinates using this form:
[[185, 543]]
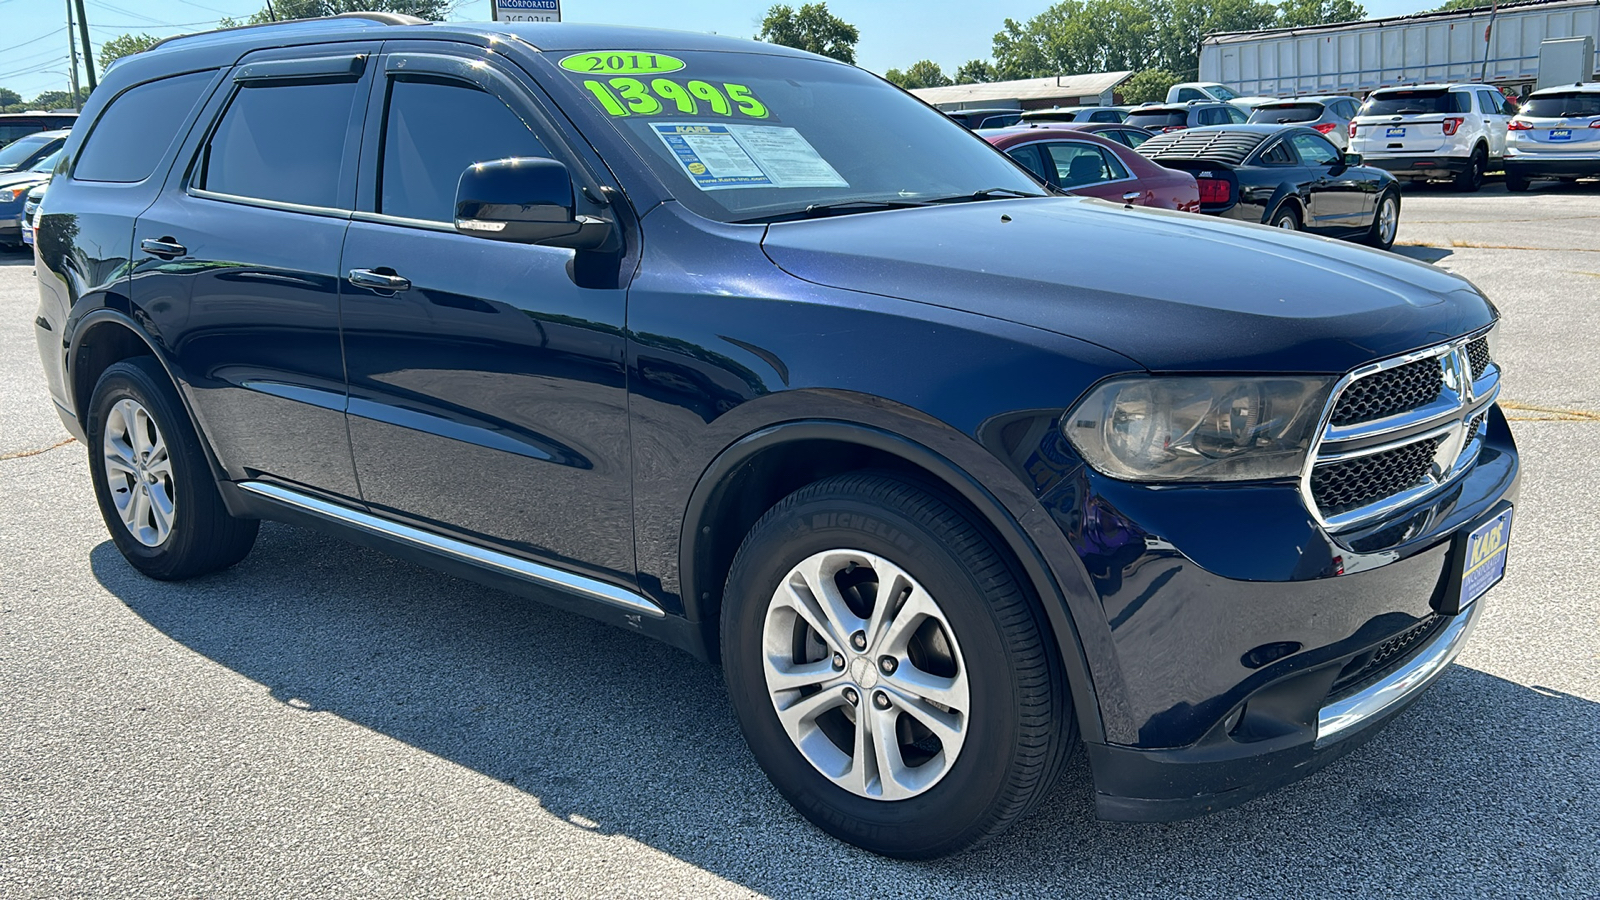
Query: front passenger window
[[433, 131]]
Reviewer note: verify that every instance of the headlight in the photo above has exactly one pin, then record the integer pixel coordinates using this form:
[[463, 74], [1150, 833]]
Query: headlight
[[10, 195], [1198, 429]]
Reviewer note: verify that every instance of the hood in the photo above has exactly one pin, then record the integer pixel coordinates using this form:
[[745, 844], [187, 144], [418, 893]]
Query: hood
[[1173, 291], [12, 179]]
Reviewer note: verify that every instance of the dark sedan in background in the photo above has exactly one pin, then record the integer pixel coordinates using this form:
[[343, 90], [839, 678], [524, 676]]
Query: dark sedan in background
[[1093, 166], [1286, 176]]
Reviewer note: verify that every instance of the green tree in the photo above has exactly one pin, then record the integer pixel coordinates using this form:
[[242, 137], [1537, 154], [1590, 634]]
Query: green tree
[[924, 73], [8, 97], [50, 100], [434, 10], [1185, 23], [123, 45], [1149, 85], [811, 28], [1300, 13], [1451, 5], [975, 71]]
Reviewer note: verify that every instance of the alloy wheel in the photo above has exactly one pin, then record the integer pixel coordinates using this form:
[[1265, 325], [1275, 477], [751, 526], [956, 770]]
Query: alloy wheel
[[139, 472], [866, 675], [1388, 220]]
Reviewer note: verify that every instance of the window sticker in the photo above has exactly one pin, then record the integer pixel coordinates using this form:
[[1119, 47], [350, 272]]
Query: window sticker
[[720, 157], [621, 62], [640, 97]]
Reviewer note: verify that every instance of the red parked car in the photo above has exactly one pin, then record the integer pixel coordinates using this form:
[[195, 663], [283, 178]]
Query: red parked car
[[1091, 166]]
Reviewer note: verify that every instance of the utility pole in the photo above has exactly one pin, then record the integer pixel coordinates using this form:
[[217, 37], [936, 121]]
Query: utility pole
[[88, 51], [72, 58]]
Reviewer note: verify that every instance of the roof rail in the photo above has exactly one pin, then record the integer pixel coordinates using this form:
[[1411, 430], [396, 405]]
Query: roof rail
[[381, 18]]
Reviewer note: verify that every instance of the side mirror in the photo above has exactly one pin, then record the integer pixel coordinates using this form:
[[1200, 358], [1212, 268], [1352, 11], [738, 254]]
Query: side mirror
[[1352, 159], [527, 200]]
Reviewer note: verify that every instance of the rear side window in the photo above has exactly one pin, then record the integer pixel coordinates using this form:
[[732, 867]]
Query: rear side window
[[1286, 113], [134, 132], [1216, 115], [1078, 164], [282, 142], [1414, 103], [1131, 138], [1566, 105], [432, 133]]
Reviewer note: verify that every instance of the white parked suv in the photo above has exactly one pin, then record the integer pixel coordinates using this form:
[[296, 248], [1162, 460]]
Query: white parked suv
[[1433, 131], [1556, 134]]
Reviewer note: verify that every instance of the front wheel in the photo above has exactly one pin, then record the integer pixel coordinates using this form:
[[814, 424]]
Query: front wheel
[[889, 670], [1385, 222], [152, 481]]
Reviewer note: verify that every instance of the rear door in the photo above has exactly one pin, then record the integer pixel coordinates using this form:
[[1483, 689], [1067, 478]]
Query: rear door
[[239, 257], [1491, 111], [488, 393]]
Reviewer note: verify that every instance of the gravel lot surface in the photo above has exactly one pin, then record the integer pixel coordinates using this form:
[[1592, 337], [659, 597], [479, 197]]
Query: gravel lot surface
[[323, 720]]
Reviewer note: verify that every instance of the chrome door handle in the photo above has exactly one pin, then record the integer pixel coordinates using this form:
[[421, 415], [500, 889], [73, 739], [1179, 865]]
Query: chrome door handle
[[166, 248], [378, 280]]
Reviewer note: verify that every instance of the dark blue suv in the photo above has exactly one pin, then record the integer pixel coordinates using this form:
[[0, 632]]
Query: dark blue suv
[[751, 352]]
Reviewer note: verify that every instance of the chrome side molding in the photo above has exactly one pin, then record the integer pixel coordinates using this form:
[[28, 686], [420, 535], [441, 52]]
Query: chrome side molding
[[1344, 717], [588, 588]]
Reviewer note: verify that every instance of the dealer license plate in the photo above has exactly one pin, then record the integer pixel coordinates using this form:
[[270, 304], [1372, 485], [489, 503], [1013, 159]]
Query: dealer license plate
[[1395, 132], [1561, 134], [27, 235], [1484, 563]]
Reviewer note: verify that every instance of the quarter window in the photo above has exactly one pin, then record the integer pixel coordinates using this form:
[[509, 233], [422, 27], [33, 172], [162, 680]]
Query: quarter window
[[1277, 155], [283, 142], [134, 132], [432, 132]]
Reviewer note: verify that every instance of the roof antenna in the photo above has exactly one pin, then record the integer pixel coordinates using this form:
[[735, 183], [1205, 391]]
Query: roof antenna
[[272, 12]]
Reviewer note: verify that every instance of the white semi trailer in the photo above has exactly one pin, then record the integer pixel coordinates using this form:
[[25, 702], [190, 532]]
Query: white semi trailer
[[1489, 45]]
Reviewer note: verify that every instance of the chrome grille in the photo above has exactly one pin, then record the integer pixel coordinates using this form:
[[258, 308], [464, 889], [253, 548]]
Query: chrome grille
[[1399, 430], [1478, 352], [1395, 390]]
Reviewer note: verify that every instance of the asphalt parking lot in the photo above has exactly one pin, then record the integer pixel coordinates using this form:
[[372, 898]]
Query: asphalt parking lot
[[323, 720]]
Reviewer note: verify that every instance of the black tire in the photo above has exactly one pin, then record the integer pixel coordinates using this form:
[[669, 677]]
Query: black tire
[[1020, 723], [1516, 182], [203, 537], [1376, 236], [1287, 217], [1470, 179]]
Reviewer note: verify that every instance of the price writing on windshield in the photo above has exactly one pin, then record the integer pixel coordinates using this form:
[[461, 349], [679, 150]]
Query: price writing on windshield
[[636, 97], [621, 62]]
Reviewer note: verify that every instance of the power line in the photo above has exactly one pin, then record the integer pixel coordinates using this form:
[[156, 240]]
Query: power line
[[32, 40]]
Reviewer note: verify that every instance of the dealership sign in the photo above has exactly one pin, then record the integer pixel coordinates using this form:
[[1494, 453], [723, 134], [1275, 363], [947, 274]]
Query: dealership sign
[[527, 10]]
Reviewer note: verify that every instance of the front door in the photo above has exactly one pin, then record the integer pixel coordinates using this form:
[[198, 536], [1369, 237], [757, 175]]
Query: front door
[[487, 387], [1340, 199], [237, 264]]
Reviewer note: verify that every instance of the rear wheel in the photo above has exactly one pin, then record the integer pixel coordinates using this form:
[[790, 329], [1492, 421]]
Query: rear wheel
[[1516, 182], [889, 670], [152, 481], [1286, 217], [1470, 179], [1385, 221]]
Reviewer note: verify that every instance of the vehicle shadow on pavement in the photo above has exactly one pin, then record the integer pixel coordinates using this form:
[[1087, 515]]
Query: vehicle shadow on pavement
[[1422, 252], [16, 258], [1485, 785]]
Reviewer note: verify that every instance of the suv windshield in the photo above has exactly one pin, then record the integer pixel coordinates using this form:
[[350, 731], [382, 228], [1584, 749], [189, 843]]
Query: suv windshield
[[1568, 105], [742, 137], [1221, 93], [20, 149], [1411, 103]]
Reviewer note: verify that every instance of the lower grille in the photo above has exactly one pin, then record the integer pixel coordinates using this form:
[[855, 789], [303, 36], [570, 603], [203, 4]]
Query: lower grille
[[1353, 483], [1377, 662]]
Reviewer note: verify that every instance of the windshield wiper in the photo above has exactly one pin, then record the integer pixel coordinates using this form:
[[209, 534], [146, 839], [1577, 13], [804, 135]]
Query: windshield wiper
[[994, 193], [842, 207]]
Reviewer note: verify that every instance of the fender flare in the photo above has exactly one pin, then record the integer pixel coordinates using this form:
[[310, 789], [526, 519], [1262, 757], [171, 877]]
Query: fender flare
[[711, 489], [1286, 193]]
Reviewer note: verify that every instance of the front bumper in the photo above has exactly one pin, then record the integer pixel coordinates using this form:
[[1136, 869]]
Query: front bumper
[[1250, 648]]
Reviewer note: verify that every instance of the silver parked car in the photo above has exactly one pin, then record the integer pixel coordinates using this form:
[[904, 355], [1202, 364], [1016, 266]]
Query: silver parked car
[[1556, 134], [1329, 115], [1178, 116], [1109, 114]]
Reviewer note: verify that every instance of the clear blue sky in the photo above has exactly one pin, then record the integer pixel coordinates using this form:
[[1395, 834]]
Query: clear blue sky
[[894, 33]]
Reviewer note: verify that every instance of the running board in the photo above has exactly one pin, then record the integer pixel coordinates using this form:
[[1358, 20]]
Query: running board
[[505, 564]]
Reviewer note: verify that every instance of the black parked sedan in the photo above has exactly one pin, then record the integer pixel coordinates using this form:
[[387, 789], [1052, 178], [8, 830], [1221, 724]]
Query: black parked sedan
[[1287, 177]]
